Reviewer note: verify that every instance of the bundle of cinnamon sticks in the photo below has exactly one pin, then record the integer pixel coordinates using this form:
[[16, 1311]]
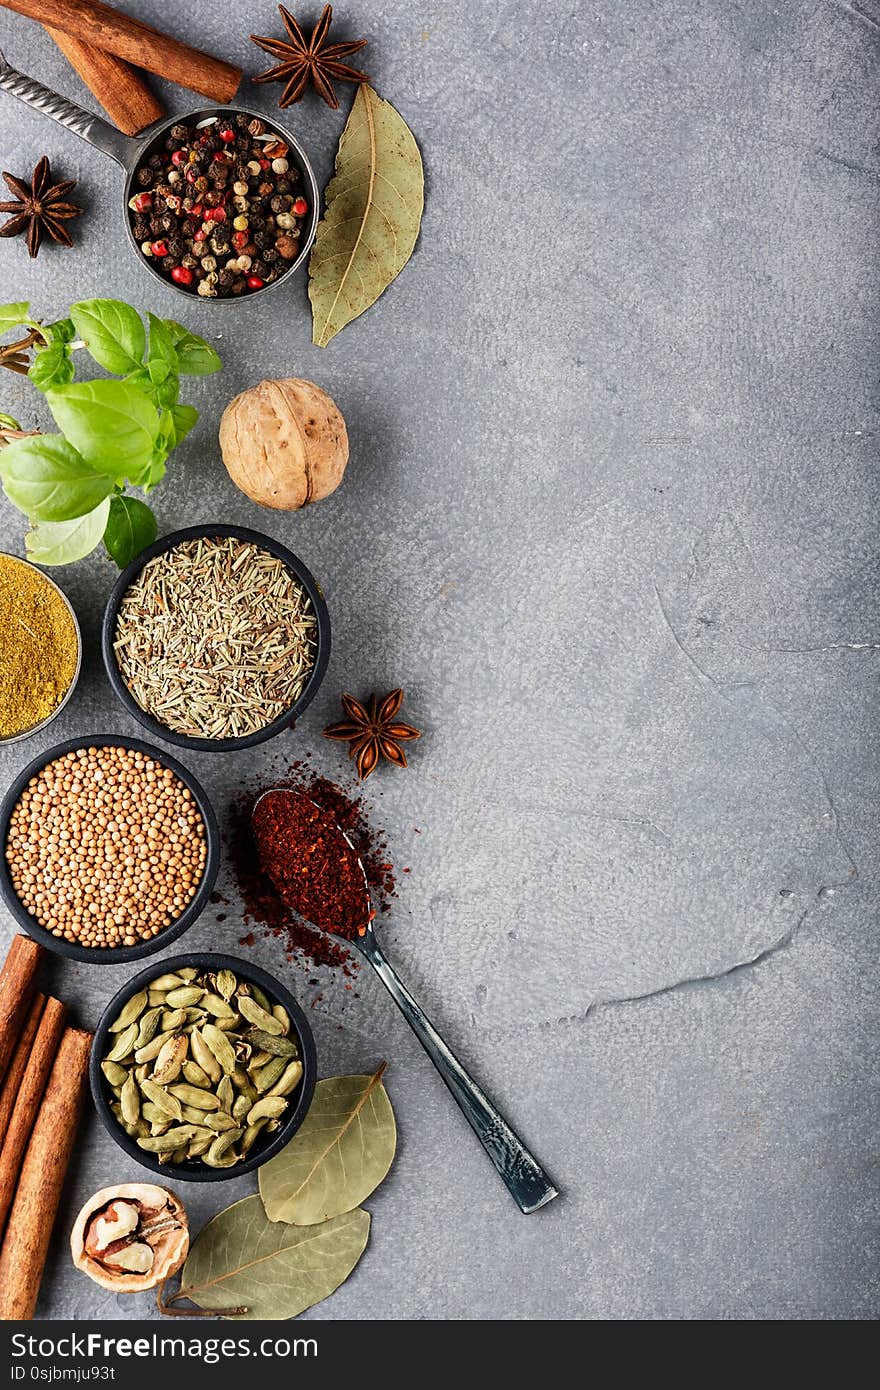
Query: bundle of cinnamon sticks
[[43, 1073], [108, 49]]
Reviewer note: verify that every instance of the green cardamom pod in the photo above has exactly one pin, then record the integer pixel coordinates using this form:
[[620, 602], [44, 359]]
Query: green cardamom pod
[[278, 1046], [131, 1012], [261, 1018], [166, 1101], [123, 1045], [220, 1046]]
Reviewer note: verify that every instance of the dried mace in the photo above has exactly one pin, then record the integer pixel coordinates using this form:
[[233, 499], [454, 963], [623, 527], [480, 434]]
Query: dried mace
[[315, 58], [39, 208], [373, 731]]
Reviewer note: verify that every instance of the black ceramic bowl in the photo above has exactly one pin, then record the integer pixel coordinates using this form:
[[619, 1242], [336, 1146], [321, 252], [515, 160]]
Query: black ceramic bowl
[[110, 955], [284, 721], [265, 1147]]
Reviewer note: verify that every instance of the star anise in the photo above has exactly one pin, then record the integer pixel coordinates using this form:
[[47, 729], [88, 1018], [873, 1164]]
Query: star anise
[[314, 58], [40, 208], [373, 731]]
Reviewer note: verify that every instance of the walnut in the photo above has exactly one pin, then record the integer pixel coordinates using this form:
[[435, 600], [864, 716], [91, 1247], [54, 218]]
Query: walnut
[[131, 1237], [284, 443]]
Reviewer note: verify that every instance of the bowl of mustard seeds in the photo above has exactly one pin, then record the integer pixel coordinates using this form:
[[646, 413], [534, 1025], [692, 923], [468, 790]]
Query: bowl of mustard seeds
[[40, 649]]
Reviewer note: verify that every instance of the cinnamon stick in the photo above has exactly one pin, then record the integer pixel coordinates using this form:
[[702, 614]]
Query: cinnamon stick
[[37, 1197], [28, 1101], [120, 88], [95, 23], [18, 1064], [16, 991]]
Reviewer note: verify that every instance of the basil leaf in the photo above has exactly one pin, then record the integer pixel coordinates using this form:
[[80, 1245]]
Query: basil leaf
[[61, 542], [52, 366], [166, 394], [130, 527], [161, 343], [61, 331], [11, 315], [112, 332], [195, 357], [184, 417], [111, 423], [48, 480]]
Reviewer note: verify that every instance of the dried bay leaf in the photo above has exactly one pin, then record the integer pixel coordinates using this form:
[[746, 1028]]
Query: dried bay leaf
[[243, 1260], [340, 1154], [373, 211]]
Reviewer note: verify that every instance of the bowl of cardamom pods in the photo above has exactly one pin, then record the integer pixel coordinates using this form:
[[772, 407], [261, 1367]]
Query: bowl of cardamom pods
[[203, 1067]]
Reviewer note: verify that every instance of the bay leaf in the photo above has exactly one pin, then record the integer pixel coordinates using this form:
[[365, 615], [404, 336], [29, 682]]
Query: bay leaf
[[241, 1259], [371, 220], [339, 1155]]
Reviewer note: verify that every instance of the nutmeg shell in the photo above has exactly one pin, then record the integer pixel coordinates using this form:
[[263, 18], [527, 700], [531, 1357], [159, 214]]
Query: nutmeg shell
[[163, 1226]]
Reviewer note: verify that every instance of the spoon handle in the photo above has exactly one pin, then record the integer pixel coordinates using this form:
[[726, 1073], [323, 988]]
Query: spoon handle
[[89, 127], [526, 1180]]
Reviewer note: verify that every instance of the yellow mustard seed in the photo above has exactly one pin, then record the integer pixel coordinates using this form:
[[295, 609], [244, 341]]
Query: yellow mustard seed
[[38, 647]]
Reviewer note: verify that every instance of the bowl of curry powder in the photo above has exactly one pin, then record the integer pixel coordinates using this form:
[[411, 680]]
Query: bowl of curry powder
[[40, 649]]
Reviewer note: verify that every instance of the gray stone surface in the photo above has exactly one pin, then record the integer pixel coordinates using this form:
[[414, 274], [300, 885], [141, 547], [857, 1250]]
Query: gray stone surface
[[611, 519]]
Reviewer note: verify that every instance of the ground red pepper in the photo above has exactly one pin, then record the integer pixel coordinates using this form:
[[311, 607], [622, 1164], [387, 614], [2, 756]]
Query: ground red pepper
[[313, 866], [263, 906]]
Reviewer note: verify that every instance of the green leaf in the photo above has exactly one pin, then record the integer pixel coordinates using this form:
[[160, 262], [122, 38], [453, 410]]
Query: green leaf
[[111, 423], [61, 331], [11, 315], [62, 542], [48, 480], [112, 332], [373, 212], [339, 1155], [130, 527], [52, 366], [195, 357], [270, 1270], [184, 417]]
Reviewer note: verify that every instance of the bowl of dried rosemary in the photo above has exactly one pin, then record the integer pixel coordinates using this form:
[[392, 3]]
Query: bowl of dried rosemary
[[203, 1067], [216, 638]]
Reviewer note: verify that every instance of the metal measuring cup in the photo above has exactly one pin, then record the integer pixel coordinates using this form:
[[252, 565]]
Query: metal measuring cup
[[130, 150]]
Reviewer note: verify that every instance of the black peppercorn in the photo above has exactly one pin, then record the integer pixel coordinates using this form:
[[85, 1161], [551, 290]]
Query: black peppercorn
[[176, 247], [189, 261], [140, 228], [145, 177], [225, 279], [156, 227], [180, 132], [269, 254], [279, 204], [256, 126], [169, 222], [241, 120], [155, 161], [189, 226], [283, 185]]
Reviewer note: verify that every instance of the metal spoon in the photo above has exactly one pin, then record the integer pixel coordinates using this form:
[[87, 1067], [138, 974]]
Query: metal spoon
[[525, 1178]]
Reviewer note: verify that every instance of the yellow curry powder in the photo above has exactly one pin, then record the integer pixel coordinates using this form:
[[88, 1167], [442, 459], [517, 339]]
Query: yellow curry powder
[[38, 647]]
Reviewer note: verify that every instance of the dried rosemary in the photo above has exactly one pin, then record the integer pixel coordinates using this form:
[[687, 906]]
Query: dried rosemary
[[216, 638]]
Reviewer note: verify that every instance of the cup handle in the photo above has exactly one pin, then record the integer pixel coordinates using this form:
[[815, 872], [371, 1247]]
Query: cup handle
[[89, 127]]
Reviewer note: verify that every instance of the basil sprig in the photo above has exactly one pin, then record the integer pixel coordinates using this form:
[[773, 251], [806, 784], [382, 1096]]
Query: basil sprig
[[115, 432]]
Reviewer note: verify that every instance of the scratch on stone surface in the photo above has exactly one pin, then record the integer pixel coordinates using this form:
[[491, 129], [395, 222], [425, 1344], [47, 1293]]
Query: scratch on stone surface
[[703, 675], [832, 647], [856, 14], [782, 944], [832, 805], [641, 822]]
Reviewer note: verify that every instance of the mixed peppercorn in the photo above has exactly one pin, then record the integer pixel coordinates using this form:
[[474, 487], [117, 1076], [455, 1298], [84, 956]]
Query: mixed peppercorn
[[220, 209]]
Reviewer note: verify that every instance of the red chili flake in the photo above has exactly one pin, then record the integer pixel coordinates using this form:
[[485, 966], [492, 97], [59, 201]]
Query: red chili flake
[[314, 868], [261, 902]]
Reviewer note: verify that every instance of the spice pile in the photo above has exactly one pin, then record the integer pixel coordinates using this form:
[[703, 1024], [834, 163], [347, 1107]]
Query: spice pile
[[200, 1065], [220, 210], [43, 1073], [39, 647], [313, 866], [106, 847], [216, 638], [262, 904]]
